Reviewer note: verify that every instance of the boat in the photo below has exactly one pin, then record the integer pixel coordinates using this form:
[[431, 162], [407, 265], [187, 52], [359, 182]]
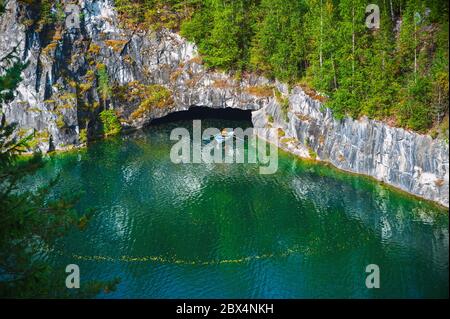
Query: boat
[[223, 136]]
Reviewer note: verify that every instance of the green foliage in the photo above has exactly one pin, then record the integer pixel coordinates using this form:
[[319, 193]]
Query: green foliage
[[111, 124], [60, 122], [284, 104], [83, 136], [312, 153], [59, 15], [223, 32], [103, 83], [38, 137], [10, 76], [155, 14], [46, 16], [278, 44], [285, 108], [152, 96], [414, 112], [48, 12]]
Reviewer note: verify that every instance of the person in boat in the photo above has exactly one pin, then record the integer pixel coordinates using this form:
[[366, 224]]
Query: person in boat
[[224, 135], [224, 132]]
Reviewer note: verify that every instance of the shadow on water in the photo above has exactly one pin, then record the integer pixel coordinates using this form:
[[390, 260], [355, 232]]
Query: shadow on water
[[202, 113]]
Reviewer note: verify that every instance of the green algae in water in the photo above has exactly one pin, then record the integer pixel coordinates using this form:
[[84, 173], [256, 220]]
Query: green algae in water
[[225, 231]]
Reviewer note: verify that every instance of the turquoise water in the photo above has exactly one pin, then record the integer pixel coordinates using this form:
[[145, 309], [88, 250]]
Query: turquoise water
[[225, 231]]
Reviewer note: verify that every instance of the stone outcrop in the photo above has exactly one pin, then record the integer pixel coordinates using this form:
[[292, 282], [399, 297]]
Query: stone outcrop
[[59, 98]]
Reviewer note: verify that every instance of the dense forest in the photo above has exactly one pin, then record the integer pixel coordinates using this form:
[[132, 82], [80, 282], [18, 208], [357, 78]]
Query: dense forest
[[397, 72]]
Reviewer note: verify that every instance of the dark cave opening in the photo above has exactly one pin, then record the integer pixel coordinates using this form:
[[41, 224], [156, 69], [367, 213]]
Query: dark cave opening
[[201, 113]]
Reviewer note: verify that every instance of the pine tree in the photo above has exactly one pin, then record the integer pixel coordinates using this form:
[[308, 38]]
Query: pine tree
[[379, 68], [319, 25], [279, 44]]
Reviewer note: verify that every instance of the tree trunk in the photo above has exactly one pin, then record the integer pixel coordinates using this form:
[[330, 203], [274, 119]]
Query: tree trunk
[[321, 36], [415, 52], [392, 10], [353, 45], [334, 73]]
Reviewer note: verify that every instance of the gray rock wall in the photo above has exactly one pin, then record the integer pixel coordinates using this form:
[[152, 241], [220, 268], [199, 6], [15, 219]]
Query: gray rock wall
[[409, 161]]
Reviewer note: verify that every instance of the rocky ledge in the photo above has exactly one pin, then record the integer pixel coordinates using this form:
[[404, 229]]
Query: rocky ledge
[[62, 95]]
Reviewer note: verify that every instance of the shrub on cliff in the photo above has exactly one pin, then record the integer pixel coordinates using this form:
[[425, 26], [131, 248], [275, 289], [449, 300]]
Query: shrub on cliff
[[153, 96], [104, 87], [111, 124]]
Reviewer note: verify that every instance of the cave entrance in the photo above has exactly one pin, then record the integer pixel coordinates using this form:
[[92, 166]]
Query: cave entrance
[[203, 113]]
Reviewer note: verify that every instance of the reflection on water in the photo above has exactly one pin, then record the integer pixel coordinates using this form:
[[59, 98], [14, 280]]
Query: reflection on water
[[220, 230]]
